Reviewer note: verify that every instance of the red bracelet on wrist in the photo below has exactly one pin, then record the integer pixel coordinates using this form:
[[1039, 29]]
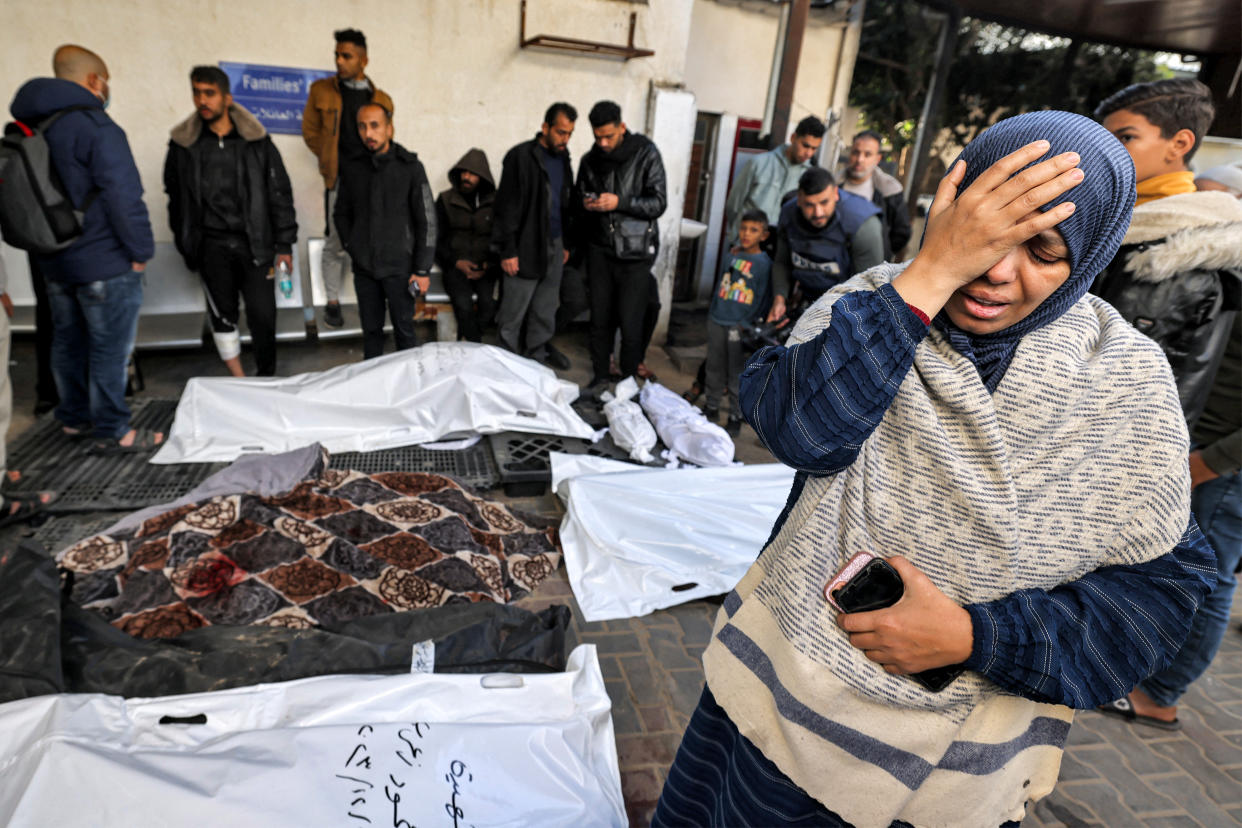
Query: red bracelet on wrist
[[922, 316]]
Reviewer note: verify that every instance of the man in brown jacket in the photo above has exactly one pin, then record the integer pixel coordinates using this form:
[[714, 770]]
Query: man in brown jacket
[[328, 129]]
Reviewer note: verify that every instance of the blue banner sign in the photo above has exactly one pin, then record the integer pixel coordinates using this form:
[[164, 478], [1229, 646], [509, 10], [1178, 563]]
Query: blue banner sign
[[276, 95]]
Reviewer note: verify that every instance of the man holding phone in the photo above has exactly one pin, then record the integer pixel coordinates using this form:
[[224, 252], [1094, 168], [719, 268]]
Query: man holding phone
[[623, 191], [530, 223]]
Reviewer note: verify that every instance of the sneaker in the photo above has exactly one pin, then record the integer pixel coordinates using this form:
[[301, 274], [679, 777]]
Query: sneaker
[[733, 427], [712, 413], [332, 315], [554, 358]]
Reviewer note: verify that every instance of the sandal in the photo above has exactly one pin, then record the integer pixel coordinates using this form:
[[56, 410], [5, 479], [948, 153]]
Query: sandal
[[1123, 709], [144, 442], [27, 507], [77, 433]]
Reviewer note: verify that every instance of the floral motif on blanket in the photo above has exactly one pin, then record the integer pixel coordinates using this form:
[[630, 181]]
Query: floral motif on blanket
[[339, 545]]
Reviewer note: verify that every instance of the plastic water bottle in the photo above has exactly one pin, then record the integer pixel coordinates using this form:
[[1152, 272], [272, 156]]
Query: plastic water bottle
[[286, 280], [417, 293]]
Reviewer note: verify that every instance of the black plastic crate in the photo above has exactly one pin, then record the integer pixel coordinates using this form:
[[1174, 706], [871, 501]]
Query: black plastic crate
[[473, 466], [523, 463]]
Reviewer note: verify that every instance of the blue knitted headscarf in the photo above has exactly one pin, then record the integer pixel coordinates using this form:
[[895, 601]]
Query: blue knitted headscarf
[[1103, 204]]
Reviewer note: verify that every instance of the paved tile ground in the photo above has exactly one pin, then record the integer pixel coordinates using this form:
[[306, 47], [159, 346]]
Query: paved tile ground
[[1114, 774]]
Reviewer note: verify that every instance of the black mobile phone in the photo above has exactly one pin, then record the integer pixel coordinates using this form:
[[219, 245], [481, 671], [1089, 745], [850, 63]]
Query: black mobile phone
[[868, 582]]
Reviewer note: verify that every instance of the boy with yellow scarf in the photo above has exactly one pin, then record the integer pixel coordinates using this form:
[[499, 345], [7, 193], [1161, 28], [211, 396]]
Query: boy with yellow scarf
[[1178, 279]]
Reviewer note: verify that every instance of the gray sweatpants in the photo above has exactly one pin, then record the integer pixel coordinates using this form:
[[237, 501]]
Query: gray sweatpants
[[533, 302], [335, 261]]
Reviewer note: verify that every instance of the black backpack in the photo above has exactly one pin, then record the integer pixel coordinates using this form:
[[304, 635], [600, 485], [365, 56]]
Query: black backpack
[[35, 213]]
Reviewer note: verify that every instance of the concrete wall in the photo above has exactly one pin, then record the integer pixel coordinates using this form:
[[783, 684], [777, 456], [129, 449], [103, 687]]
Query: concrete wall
[[729, 61], [729, 58], [453, 68]]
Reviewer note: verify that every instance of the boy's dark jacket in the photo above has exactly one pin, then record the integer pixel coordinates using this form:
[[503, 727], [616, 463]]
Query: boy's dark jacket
[[386, 216], [464, 224], [90, 152], [266, 196], [520, 217], [634, 172], [1178, 279]]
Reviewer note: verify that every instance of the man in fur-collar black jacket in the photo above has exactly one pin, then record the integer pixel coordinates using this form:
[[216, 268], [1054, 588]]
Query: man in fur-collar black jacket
[[1178, 279], [230, 208], [387, 221]]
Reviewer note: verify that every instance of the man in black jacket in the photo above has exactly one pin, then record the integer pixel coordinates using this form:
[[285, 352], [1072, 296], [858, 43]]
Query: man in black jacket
[[464, 235], [623, 191], [532, 219], [387, 222], [230, 208]]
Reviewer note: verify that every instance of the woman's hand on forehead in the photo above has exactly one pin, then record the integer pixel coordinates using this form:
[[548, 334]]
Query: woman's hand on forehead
[[969, 232]]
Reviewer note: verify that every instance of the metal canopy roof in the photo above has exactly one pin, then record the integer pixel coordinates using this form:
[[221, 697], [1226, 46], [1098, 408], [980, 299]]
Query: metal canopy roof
[[1199, 27]]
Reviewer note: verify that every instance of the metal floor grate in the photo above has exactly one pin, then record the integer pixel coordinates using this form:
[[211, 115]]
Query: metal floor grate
[[48, 460], [474, 466], [66, 530]]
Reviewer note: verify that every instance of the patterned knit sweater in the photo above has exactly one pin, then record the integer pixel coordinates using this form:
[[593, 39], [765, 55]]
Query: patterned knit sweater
[[1029, 506]]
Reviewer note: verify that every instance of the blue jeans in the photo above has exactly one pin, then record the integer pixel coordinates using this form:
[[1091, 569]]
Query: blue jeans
[[95, 324], [1217, 505]]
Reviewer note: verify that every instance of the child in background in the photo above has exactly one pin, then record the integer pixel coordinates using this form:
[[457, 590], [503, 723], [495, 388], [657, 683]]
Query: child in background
[[740, 297]]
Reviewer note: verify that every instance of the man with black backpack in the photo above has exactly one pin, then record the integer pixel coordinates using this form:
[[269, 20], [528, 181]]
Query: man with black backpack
[[95, 282]]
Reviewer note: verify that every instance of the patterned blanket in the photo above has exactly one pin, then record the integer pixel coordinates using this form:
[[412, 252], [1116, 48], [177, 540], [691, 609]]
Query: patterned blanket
[[341, 545]]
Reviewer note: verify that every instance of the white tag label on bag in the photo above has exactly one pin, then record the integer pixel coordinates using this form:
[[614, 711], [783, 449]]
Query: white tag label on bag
[[423, 657]]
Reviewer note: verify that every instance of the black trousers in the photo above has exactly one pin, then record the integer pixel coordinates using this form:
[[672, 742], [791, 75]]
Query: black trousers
[[229, 272], [574, 297], [724, 367], [374, 293], [45, 382], [462, 292], [620, 292]]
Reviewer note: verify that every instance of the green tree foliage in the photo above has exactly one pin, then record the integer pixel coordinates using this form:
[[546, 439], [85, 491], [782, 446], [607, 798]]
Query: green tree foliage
[[896, 53], [997, 71]]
